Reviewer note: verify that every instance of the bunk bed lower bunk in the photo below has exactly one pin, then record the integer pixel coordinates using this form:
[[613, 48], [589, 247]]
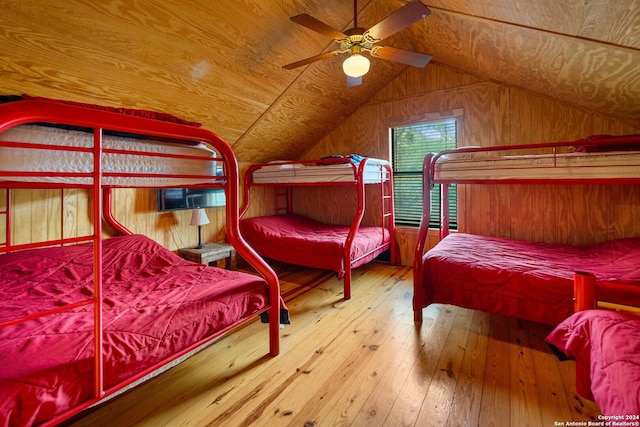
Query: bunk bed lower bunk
[[604, 340], [84, 317], [529, 280], [300, 240]]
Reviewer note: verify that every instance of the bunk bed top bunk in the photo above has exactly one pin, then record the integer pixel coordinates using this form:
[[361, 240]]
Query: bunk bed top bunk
[[300, 240], [529, 280], [326, 171], [596, 159], [84, 317], [126, 161]]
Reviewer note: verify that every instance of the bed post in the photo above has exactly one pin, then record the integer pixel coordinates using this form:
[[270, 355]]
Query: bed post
[[584, 298], [444, 210], [98, 373], [233, 213], [584, 291], [423, 230], [355, 224]]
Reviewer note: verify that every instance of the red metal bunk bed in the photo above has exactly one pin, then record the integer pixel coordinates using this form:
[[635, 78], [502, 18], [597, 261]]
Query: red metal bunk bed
[[604, 339], [529, 280], [297, 239], [84, 317]]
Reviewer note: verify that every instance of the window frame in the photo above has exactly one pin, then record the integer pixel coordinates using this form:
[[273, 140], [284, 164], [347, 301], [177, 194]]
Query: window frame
[[432, 118]]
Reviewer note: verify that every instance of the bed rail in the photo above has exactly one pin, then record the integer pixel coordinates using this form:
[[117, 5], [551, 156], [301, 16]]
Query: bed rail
[[600, 159], [584, 287], [321, 172], [25, 112]]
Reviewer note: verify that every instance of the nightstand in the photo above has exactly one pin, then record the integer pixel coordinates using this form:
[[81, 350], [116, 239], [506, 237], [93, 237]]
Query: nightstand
[[212, 252]]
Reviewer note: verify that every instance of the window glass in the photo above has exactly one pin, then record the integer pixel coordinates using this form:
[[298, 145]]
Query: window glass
[[409, 145]]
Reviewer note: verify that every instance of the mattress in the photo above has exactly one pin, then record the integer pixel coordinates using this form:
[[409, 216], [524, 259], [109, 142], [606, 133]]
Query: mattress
[[608, 343], [279, 173], [579, 165], [130, 162], [529, 280], [155, 305], [296, 239]]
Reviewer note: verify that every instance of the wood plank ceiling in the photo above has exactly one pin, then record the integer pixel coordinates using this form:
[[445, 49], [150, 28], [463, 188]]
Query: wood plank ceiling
[[220, 62]]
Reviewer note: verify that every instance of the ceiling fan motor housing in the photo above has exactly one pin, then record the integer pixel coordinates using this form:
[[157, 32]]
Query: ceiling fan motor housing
[[356, 37]]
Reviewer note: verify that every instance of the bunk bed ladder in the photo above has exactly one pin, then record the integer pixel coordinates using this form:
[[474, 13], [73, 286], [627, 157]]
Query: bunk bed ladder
[[387, 209], [282, 200], [7, 219]]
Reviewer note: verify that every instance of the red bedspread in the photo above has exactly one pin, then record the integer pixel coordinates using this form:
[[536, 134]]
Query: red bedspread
[[155, 304], [300, 240], [532, 281], [608, 342]]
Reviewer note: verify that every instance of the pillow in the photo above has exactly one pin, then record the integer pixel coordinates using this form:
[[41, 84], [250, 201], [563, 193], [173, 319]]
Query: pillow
[[632, 143]]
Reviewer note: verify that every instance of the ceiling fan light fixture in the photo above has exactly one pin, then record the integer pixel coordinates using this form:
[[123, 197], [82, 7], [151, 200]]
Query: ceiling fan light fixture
[[357, 39], [356, 65]]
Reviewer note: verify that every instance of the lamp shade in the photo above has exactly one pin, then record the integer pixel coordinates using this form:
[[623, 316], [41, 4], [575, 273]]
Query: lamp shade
[[356, 65], [199, 217]]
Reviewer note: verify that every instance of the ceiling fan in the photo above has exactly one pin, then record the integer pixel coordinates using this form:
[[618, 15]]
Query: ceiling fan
[[358, 40]]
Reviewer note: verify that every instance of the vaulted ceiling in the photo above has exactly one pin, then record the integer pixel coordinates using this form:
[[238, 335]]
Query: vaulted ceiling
[[220, 62]]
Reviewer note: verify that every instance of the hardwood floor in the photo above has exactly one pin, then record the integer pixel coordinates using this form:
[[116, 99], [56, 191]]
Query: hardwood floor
[[363, 362]]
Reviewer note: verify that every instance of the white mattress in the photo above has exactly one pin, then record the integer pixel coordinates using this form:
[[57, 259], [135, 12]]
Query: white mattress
[[50, 161], [490, 166], [298, 173]]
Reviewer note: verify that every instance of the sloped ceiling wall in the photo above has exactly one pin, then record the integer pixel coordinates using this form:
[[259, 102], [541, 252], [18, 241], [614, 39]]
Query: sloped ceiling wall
[[582, 53], [220, 62]]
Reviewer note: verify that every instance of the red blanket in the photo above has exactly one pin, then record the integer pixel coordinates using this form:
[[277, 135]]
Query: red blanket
[[608, 342], [155, 304], [532, 281], [300, 240]]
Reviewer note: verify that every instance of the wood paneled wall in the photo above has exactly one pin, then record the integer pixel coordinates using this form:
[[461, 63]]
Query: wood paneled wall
[[337, 205], [39, 215], [496, 115], [138, 210], [493, 115]]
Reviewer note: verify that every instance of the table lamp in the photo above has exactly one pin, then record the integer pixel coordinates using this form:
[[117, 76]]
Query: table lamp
[[199, 218]]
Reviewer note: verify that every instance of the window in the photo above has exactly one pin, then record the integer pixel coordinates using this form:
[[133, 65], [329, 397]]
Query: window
[[409, 145]]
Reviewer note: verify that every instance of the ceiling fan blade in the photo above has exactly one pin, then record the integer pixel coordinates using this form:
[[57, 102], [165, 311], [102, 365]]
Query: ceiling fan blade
[[407, 15], [400, 55], [354, 81], [310, 60], [318, 26]]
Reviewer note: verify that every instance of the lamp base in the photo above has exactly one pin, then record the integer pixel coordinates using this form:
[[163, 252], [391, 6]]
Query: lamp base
[[200, 244]]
